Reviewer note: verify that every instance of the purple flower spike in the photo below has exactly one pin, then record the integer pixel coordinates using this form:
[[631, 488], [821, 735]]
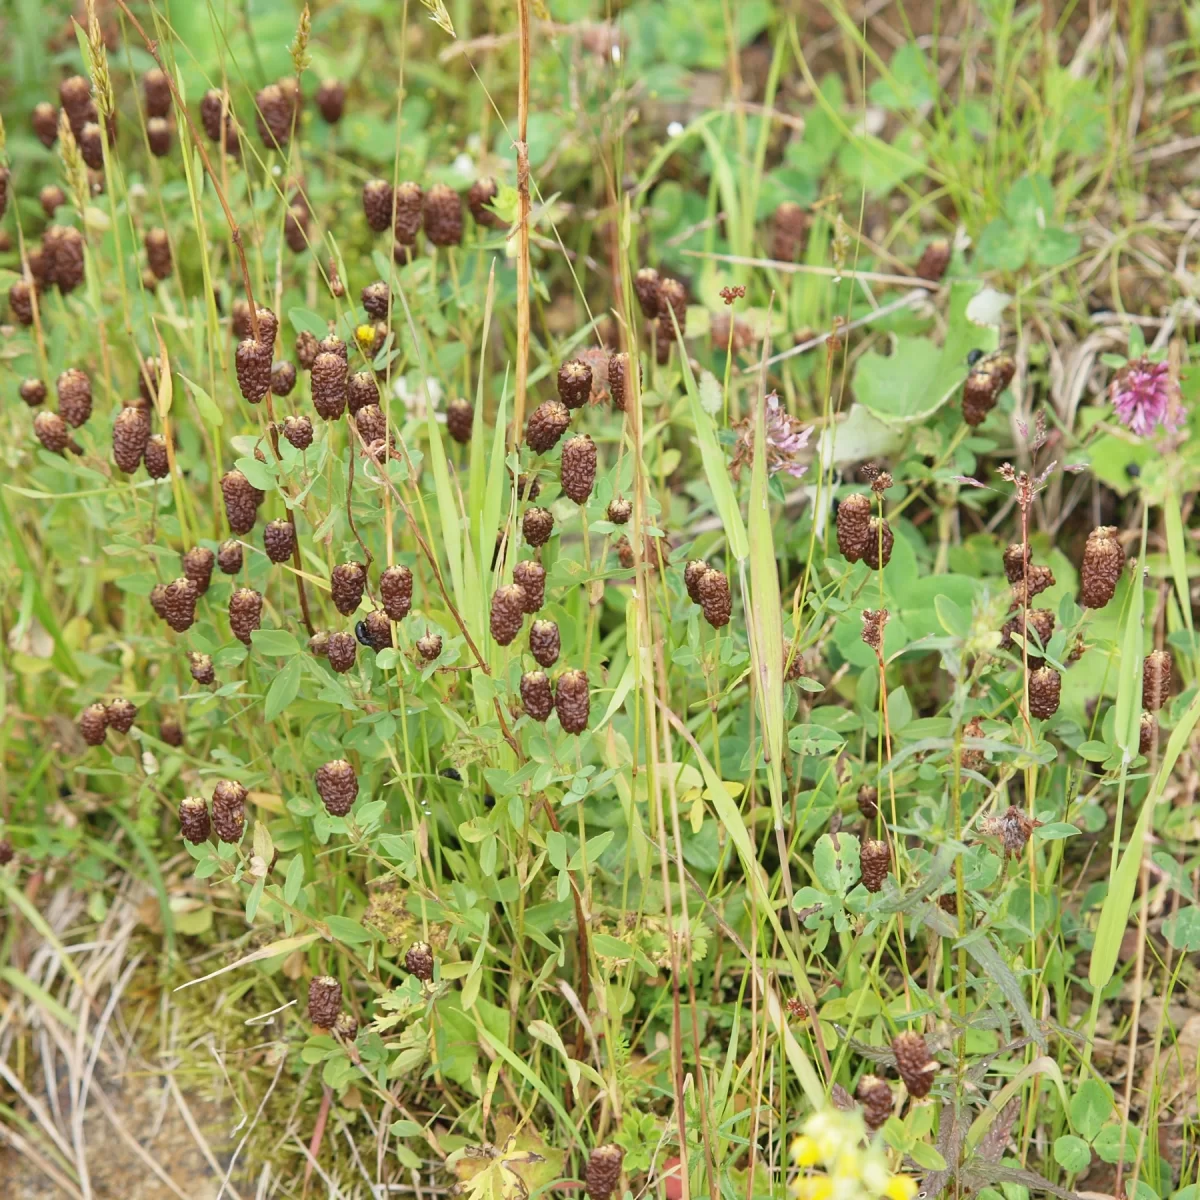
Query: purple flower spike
[[1141, 396]]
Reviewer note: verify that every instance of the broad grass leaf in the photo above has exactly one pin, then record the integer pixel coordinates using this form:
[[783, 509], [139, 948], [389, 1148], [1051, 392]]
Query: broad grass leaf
[[1115, 911]]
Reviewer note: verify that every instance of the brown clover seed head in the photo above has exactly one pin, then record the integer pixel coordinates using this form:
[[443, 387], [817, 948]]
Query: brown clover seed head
[[460, 417], [156, 89], [158, 462], [75, 95], [253, 361], [158, 135], [546, 424], [574, 384], [216, 115], [572, 701], [375, 630], [715, 600], [1103, 562], [1156, 679], [341, 649], [346, 583], [537, 697], [481, 194], [1037, 579], [1147, 727], [242, 499], [274, 116], [331, 100], [443, 216], [874, 858], [279, 540], [229, 810], [179, 604], [418, 961], [158, 600], [604, 1171], [131, 430], [361, 390], [619, 510], [1040, 620], [158, 252], [376, 298], [530, 576], [618, 379], [853, 525], [877, 550], [692, 574], [1045, 687], [170, 731], [324, 1001], [93, 724], [67, 258], [33, 392], [345, 1027], [337, 785], [789, 232], [914, 1064], [395, 590], [283, 378], [672, 299], [44, 120], [245, 613], [51, 431], [229, 556], [307, 349], [295, 228], [536, 526], [372, 425], [194, 823], [429, 647], [409, 202], [973, 760], [51, 198], [984, 383], [875, 1096], [545, 643], [198, 567], [647, 286], [74, 396], [934, 260], [874, 622], [868, 801], [121, 714], [329, 385], [20, 300], [91, 146], [577, 469], [377, 203], [6, 852], [201, 667], [508, 612], [318, 644]]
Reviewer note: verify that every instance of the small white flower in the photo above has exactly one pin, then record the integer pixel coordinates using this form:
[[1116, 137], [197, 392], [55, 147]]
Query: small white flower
[[674, 129]]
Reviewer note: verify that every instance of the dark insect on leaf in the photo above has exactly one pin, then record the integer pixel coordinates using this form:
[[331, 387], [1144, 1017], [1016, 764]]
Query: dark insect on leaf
[[973, 356], [360, 632]]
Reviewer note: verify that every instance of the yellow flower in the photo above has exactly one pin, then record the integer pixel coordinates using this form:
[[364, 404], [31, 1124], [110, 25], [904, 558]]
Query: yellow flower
[[900, 1187], [805, 1152], [815, 1187], [854, 1169], [365, 334]]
